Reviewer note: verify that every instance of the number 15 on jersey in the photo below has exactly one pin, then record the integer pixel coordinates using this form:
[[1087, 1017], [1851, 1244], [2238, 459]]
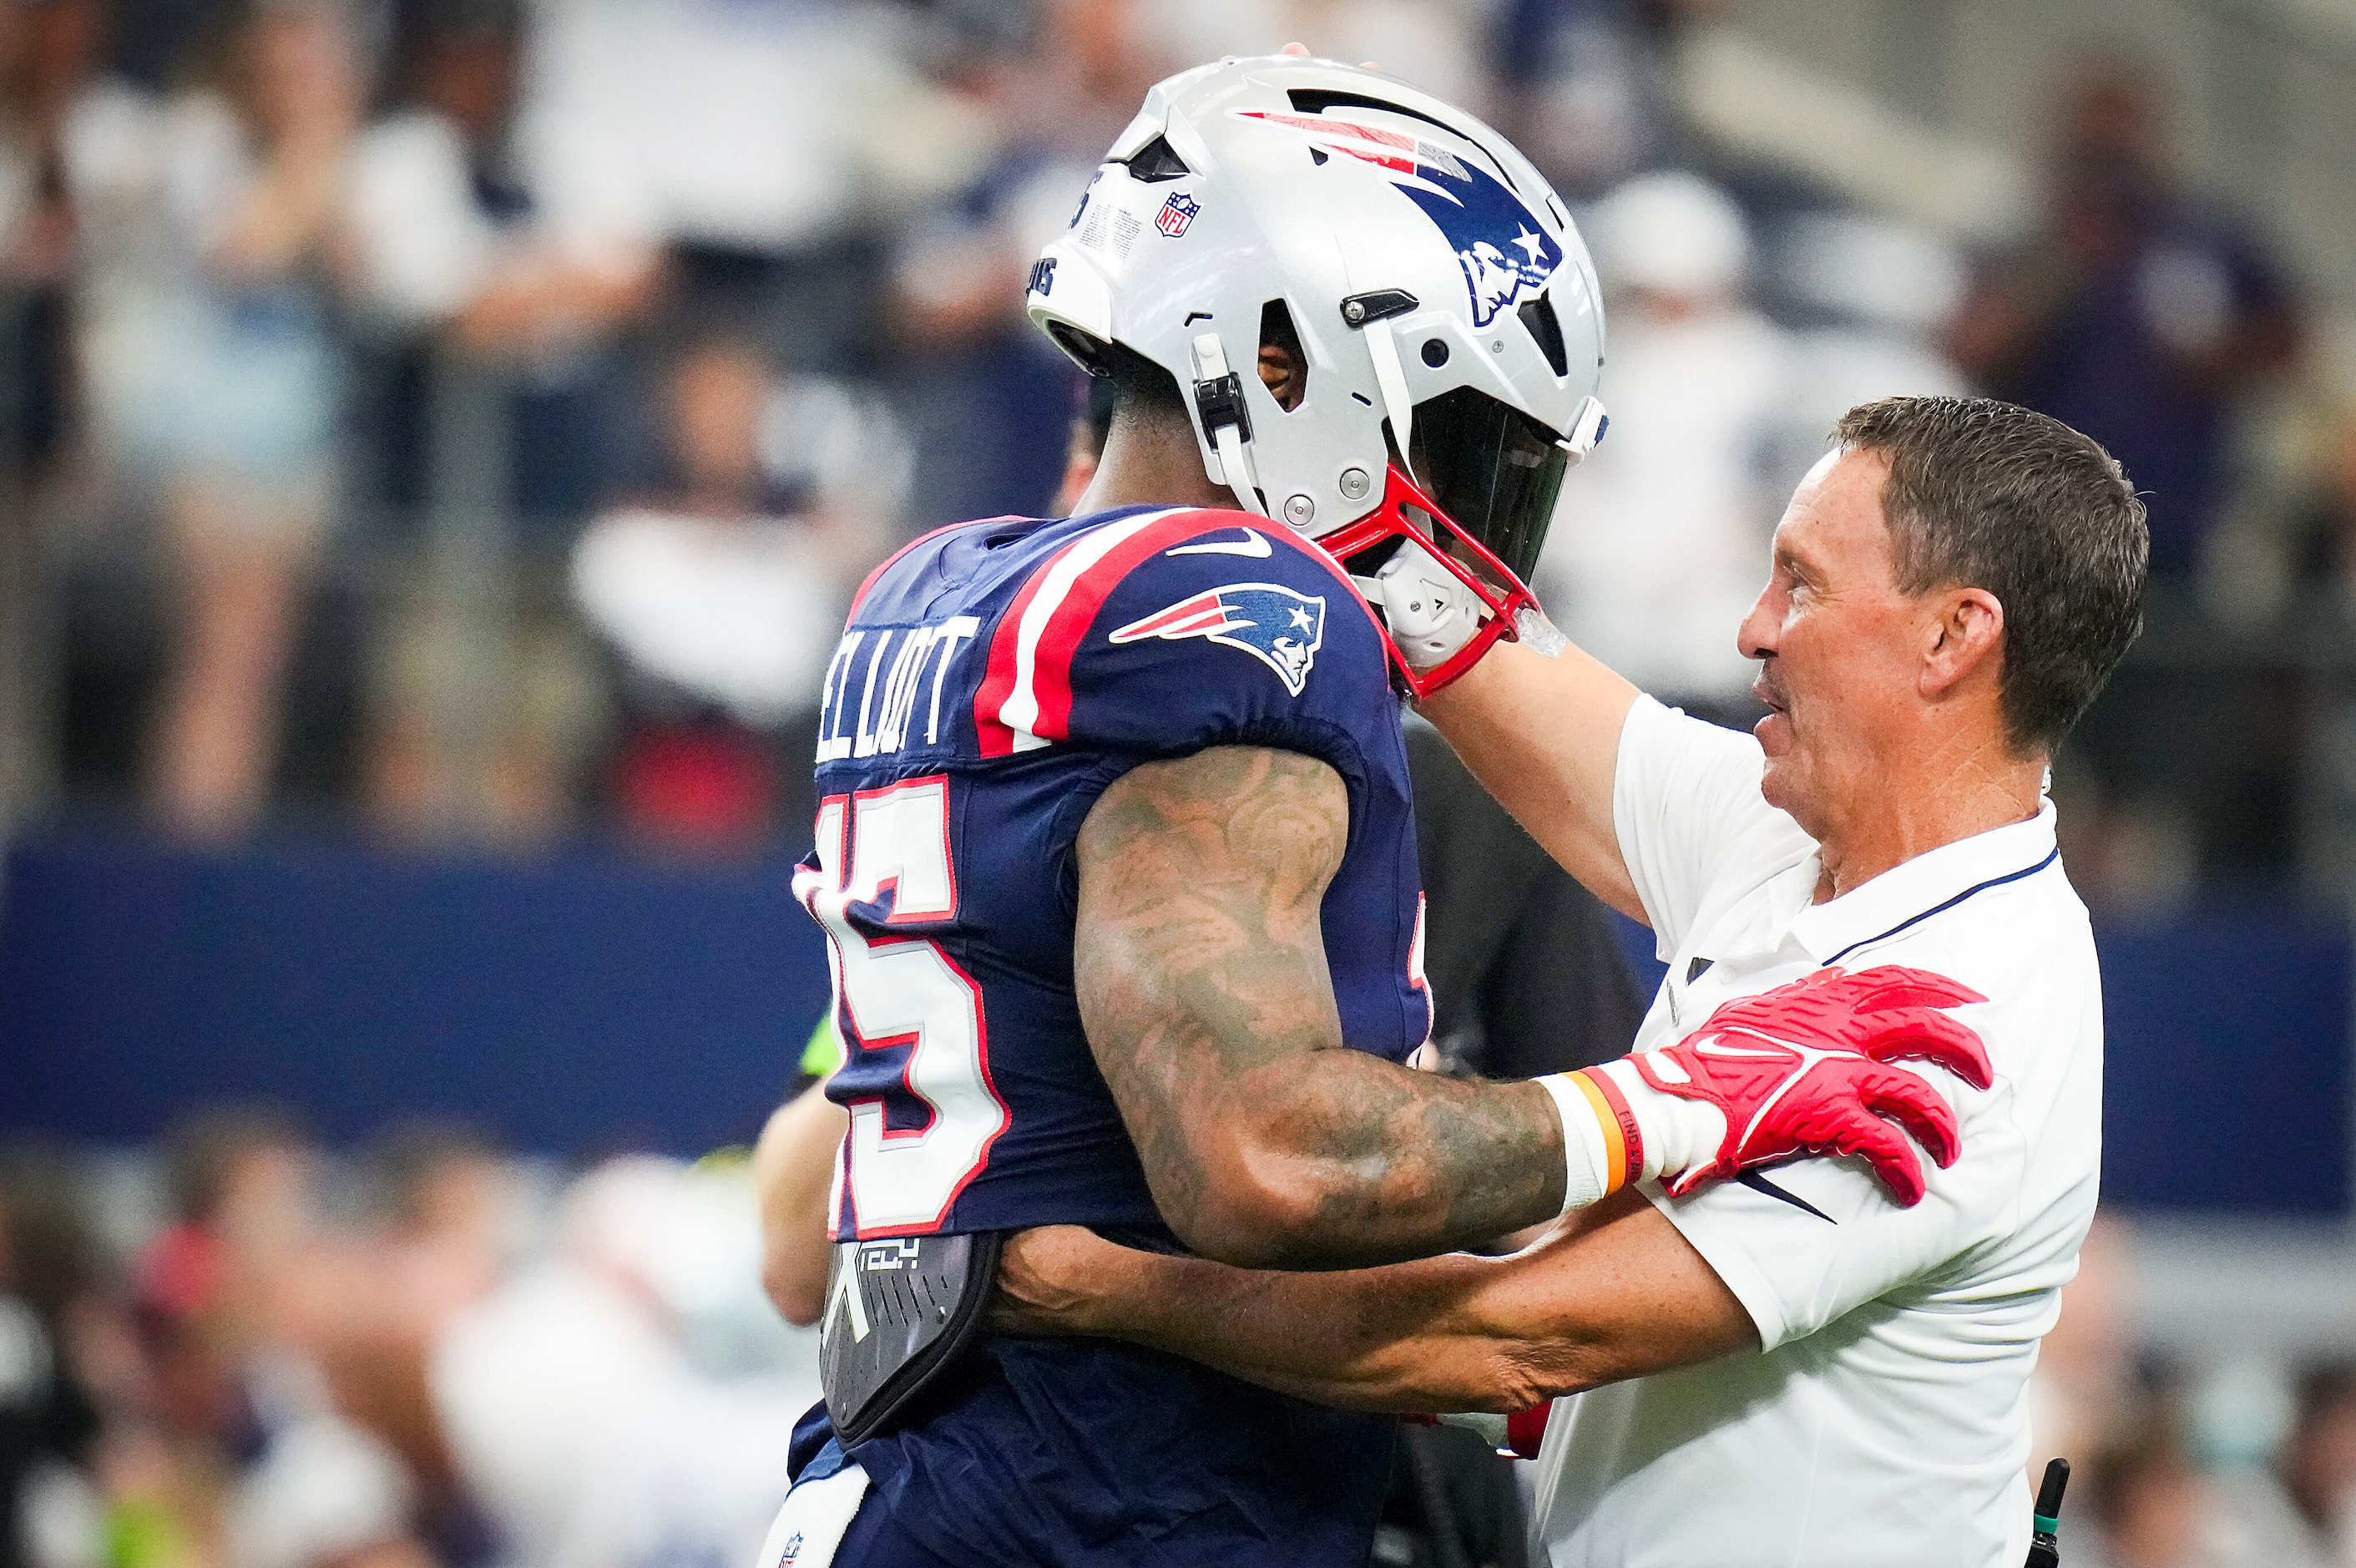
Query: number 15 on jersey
[[916, 1074]]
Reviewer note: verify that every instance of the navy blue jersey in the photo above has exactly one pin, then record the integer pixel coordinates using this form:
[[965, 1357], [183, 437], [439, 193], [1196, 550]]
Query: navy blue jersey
[[993, 679]]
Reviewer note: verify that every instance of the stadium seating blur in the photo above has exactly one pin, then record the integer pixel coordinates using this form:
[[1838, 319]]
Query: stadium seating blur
[[438, 439]]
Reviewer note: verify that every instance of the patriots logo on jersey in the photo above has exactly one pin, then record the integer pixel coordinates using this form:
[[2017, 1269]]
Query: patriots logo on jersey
[[1280, 628], [1505, 252]]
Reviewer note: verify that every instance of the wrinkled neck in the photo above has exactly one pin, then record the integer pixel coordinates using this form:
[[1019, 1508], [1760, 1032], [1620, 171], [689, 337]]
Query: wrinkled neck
[[1969, 790]]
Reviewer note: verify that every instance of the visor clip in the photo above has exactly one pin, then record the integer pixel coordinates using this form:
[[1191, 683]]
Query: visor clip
[[1587, 428], [1376, 305]]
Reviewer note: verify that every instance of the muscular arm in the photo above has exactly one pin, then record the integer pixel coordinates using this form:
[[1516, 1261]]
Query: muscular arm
[[1616, 1293], [1200, 966], [1543, 735]]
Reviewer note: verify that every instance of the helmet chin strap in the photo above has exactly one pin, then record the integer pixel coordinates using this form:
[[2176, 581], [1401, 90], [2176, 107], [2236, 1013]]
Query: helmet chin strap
[[1219, 400], [1391, 381]]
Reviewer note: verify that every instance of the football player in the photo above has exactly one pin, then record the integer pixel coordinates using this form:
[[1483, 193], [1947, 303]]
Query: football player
[[1115, 851]]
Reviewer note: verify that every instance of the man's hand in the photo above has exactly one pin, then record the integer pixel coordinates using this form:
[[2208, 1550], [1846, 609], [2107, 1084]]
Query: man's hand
[[1805, 1069], [1043, 1279]]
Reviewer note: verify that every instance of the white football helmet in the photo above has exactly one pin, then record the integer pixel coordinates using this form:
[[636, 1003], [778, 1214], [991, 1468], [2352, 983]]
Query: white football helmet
[[1444, 305]]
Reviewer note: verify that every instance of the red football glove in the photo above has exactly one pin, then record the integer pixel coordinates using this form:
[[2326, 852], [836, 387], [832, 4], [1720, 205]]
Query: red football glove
[[1802, 1070], [1518, 1433], [1525, 1429]]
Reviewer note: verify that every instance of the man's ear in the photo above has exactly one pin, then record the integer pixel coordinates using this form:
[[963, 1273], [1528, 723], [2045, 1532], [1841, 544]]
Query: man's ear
[[1283, 364], [1281, 373], [1964, 643]]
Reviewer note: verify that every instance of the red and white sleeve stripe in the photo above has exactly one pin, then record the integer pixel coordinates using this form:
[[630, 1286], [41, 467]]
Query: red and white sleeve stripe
[[1025, 698]]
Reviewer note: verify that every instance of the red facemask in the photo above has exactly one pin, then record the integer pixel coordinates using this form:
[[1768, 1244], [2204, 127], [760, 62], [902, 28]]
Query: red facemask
[[1392, 519]]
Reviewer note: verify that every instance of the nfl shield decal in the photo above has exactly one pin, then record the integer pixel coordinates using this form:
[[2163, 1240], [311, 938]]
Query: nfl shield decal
[[1176, 214], [1280, 628], [1505, 252]]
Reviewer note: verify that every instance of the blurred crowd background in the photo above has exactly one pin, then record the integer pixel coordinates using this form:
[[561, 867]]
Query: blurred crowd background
[[449, 431]]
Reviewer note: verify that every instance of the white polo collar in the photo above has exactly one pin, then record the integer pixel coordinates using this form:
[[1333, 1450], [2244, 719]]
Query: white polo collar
[[1927, 885]]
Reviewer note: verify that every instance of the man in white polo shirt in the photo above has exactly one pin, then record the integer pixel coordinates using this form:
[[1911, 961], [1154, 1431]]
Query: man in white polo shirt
[[1790, 1369]]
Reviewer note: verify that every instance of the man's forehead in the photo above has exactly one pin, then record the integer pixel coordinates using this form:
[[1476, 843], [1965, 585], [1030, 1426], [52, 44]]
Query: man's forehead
[[1836, 512]]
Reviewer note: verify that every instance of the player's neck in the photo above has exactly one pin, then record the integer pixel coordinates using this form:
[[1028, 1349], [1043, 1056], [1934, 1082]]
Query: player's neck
[[1151, 460]]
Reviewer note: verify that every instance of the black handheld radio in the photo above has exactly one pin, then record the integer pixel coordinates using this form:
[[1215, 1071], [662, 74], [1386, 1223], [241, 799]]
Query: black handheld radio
[[2044, 1548]]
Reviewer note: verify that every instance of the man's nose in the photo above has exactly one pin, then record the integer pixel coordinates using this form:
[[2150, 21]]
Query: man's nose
[[1755, 637]]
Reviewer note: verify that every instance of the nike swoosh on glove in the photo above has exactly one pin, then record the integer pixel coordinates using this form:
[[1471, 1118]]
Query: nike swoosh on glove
[[1805, 1069]]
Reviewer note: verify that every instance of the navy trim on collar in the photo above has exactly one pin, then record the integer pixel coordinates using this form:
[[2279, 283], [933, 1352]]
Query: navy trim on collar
[[2051, 856]]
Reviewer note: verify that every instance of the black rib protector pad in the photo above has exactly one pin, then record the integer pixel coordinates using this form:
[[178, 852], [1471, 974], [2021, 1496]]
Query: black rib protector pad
[[898, 1312]]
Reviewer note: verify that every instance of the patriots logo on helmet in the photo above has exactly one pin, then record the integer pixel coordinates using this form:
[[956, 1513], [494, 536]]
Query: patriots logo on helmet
[[1504, 250], [1176, 214], [1280, 628]]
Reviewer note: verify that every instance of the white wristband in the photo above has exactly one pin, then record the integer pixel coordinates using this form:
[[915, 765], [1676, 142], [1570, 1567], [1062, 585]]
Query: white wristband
[[1586, 1162], [1679, 1133]]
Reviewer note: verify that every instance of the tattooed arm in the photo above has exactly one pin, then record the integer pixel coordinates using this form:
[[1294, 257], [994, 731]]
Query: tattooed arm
[[1200, 965]]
